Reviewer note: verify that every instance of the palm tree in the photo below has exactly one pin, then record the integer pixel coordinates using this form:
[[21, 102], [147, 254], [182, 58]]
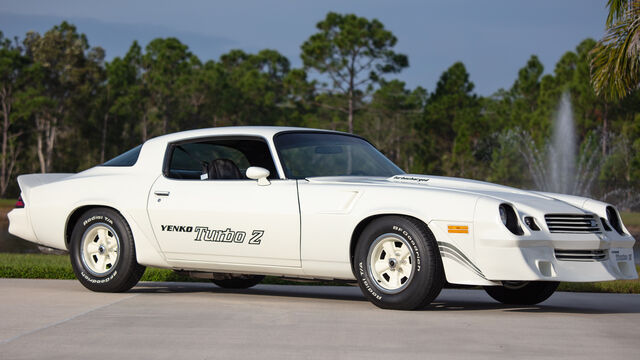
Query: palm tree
[[615, 63]]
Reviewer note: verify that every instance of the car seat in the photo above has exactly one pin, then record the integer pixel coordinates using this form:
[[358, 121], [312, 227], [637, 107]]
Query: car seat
[[224, 169]]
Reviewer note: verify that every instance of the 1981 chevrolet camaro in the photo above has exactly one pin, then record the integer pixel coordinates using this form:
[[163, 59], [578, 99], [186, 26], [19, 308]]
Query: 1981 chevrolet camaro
[[234, 204]]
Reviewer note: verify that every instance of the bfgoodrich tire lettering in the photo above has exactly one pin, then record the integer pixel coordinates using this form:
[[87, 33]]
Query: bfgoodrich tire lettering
[[102, 252], [527, 293], [397, 263]]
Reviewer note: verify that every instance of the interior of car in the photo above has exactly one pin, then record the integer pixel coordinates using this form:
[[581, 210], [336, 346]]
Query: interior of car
[[218, 159]]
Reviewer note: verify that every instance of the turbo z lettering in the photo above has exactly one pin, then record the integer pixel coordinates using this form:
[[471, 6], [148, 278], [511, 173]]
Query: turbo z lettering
[[228, 235]]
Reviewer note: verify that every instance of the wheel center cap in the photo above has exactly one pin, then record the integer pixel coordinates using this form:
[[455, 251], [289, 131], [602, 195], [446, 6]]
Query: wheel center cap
[[392, 263], [101, 249]]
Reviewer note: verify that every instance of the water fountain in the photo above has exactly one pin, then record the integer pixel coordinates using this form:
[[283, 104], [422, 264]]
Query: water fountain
[[562, 150], [559, 167]]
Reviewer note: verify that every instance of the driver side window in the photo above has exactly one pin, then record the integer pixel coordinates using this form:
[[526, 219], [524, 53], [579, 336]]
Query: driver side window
[[218, 159]]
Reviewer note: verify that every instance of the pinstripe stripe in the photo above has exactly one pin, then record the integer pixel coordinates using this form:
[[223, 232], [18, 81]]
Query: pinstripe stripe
[[450, 251]]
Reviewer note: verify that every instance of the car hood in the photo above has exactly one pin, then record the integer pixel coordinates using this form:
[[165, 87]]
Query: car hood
[[527, 198]]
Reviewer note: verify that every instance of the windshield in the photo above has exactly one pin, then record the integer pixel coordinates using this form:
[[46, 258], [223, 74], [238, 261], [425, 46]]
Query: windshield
[[309, 154]]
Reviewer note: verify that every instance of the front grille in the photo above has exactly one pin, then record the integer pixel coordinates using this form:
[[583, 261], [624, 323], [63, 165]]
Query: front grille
[[572, 223], [581, 255]]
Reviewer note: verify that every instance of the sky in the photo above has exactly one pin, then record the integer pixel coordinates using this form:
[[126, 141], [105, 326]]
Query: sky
[[493, 38]]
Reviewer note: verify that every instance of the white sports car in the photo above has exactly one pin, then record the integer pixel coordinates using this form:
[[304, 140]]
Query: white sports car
[[234, 204]]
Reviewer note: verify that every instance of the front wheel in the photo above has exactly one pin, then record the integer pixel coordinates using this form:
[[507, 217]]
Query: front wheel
[[398, 264], [102, 251], [522, 292]]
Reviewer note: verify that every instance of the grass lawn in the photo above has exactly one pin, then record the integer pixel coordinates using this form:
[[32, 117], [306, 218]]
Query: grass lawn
[[631, 219], [7, 203], [41, 266], [44, 266]]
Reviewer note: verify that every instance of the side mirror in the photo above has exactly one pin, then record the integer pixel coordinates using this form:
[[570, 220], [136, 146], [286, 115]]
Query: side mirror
[[260, 174]]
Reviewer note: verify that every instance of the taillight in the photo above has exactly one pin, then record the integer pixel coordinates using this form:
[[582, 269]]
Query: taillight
[[19, 203]]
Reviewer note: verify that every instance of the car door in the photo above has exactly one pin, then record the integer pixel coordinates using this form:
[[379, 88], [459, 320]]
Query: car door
[[228, 219]]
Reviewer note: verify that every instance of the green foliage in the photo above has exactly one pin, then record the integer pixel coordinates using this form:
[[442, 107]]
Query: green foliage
[[65, 76], [451, 124], [616, 58], [354, 53], [391, 119], [13, 65], [348, 45], [41, 266]]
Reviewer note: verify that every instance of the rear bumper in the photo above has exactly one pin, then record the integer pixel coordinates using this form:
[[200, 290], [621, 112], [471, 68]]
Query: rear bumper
[[20, 225]]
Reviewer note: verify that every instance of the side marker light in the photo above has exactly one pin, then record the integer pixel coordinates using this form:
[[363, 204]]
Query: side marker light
[[457, 229]]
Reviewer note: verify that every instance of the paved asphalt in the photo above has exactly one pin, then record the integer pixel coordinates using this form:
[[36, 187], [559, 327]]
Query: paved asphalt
[[59, 319]]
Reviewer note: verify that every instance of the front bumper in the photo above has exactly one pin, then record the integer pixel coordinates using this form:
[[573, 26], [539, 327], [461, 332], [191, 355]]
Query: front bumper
[[543, 255], [537, 263]]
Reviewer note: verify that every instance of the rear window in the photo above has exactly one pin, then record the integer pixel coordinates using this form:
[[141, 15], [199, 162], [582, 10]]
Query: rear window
[[128, 158]]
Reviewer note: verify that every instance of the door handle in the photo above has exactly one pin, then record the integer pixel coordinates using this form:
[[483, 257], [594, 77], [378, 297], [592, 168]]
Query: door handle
[[161, 193]]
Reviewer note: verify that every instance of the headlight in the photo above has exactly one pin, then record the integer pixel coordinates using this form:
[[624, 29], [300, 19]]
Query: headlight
[[614, 219], [509, 219], [503, 215]]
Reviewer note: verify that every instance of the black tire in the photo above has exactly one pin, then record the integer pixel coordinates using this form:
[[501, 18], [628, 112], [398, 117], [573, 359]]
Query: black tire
[[125, 272], [243, 282], [426, 277], [530, 293]]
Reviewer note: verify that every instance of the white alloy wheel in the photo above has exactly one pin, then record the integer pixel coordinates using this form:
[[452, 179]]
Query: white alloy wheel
[[391, 263], [100, 249]]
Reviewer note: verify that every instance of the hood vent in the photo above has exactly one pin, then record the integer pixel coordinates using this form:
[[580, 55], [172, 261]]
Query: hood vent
[[572, 223]]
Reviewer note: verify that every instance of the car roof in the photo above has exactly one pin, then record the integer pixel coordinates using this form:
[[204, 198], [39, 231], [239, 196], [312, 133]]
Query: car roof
[[263, 131], [153, 151]]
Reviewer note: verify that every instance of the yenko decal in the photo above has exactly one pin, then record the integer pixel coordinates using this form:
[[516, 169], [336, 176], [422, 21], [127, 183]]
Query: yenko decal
[[228, 235], [177, 228]]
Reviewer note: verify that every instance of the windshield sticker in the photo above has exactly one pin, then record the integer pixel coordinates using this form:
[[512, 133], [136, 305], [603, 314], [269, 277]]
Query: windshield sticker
[[409, 178]]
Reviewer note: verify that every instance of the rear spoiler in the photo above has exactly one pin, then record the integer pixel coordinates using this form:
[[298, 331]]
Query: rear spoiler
[[27, 182]]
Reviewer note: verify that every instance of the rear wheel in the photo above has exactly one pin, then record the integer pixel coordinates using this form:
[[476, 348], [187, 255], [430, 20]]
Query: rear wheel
[[522, 292], [243, 282], [102, 252], [398, 264]]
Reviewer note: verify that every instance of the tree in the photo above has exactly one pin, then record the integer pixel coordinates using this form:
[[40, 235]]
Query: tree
[[615, 65], [526, 98], [12, 64], [164, 62], [572, 73], [120, 103], [354, 52], [66, 74], [451, 124], [249, 88], [134, 106], [390, 121]]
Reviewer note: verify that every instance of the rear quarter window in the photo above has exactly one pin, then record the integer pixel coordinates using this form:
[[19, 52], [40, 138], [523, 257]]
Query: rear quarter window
[[128, 158]]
